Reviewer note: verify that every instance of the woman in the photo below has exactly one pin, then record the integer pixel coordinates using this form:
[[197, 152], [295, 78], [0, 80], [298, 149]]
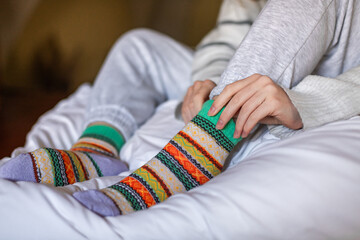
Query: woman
[[145, 68]]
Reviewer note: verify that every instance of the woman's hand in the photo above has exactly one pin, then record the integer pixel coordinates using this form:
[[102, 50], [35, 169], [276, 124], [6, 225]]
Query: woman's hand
[[256, 99], [195, 97]]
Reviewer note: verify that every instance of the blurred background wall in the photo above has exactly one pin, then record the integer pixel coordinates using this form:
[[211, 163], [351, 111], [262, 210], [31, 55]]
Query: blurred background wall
[[58, 44], [49, 47]]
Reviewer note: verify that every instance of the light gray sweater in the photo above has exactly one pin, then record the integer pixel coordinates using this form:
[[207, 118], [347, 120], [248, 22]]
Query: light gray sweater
[[318, 99]]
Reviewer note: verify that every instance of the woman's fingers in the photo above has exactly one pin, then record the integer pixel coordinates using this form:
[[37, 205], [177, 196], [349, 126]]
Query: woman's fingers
[[195, 97], [245, 112], [229, 91], [236, 103], [255, 99], [185, 109], [259, 113]]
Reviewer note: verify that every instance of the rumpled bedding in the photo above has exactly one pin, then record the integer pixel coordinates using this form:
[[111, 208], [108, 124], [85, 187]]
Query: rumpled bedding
[[303, 187]]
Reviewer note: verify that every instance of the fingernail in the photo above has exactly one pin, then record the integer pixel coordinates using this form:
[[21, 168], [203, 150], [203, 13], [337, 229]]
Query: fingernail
[[244, 135], [236, 134], [211, 111], [220, 124]]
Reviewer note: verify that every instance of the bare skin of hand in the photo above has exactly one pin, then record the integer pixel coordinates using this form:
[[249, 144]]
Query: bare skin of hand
[[256, 99], [195, 97]]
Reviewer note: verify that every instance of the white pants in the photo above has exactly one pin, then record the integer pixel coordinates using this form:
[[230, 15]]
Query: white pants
[[143, 69]]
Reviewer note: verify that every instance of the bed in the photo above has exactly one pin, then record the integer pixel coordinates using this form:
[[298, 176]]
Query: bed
[[304, 187]]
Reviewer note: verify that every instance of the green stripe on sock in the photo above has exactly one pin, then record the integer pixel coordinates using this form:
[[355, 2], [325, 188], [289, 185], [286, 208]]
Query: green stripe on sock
[[105, 133], [58, 180], [228, 130], [217, 134], [131, 199]]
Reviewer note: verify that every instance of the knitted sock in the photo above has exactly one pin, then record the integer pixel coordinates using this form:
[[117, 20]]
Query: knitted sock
[[95, 154], [195, 155]]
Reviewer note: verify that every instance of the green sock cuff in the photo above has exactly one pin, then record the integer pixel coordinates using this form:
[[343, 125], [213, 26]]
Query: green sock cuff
[[105, 133], [228, 130]]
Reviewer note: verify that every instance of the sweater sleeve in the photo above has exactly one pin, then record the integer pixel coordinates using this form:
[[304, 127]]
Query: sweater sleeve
[[216, 49], [321, 100]]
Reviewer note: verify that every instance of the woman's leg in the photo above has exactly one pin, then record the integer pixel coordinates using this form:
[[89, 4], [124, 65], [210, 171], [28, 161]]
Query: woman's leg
[[195, 155], [292, 39], [143, 69]]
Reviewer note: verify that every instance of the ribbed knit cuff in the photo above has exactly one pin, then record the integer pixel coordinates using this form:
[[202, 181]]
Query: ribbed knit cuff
[[320, 100], [118, 117], [105, 133]]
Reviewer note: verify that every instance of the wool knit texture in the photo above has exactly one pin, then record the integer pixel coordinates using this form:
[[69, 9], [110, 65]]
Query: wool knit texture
[[309, 61], [215, 50], [94, 155], [100, 139], [191, 158]]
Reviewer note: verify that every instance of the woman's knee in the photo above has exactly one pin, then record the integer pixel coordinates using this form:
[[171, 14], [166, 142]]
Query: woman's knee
[[137, 36]]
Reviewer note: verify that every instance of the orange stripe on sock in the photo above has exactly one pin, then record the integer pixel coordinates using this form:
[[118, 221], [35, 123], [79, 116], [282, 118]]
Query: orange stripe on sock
[[85, 145], [140, 189], [187, 165], [201, 149], [77, 165], [68, 167], [83, 149]]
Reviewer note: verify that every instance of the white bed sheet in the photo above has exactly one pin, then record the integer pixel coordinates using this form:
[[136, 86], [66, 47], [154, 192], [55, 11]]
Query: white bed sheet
[[304, 187]]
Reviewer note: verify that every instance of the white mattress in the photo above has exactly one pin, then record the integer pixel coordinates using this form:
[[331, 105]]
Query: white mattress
[[303, 187]]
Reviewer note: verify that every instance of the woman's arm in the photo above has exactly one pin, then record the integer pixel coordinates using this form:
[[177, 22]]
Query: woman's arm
[[313, 102], [289, 41], [321, 100]]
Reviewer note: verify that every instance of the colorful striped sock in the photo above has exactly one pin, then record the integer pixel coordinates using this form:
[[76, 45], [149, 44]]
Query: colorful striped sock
[[191, 158], [100, 139], [95, 154]]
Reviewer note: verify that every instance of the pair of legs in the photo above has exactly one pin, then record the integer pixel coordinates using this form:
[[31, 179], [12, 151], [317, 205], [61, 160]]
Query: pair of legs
[[142, 70]]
